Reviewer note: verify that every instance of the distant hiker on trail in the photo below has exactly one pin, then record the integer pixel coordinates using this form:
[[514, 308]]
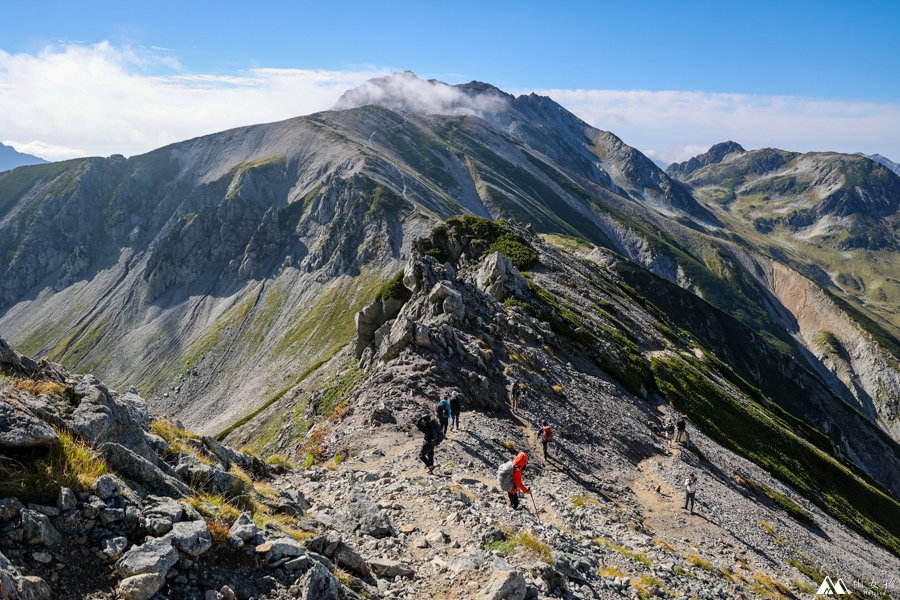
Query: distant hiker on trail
[[509, 477], [546, 438], [443, 411], [515, 394], [455, 407], [680, 433], [690, 488], [433, 436]]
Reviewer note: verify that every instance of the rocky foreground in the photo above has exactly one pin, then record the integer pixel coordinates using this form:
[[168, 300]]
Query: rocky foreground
[[93, 504]]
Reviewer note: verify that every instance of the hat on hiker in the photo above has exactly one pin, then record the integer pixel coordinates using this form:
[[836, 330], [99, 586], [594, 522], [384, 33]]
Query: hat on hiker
[[520, 460]]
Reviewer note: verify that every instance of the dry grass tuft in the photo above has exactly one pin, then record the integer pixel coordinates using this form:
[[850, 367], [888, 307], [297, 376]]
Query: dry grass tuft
[[47, 387], [70, 463]]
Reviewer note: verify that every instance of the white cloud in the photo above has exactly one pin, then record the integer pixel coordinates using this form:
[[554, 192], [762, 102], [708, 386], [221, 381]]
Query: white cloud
[[673, 126], [45, 150], [99, 99], [406, 92]]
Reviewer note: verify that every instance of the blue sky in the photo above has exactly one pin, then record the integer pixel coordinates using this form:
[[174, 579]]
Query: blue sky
[[826, 57]]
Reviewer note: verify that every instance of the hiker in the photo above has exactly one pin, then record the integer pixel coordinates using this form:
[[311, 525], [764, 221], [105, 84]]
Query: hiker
[[690, 488], [443, 411], [509, 477], [515, 395], [455, 407], [680, 433], [668, 428], [546, 438], [433, 436]]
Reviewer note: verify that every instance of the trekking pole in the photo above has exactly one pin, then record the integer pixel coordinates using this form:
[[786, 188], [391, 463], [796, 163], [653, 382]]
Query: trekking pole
[[535, 507]]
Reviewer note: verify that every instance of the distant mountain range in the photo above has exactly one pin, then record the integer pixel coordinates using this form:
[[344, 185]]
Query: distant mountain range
[[10, 158]]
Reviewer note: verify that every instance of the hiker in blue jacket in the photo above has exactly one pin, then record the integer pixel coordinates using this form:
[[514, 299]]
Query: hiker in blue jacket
[[444, 411]]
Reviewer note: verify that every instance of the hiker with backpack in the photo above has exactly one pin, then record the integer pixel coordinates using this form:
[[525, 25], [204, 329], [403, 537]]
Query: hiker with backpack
[[680, 430], [546, 438], [690, 488], [443, 411], [455, 407], [509, 477], [433, 436], [515, 395]]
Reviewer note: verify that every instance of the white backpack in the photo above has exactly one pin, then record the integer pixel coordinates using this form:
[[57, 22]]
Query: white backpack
[[505, 476]]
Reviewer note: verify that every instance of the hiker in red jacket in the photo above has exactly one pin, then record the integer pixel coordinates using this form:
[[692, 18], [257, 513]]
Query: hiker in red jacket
[[546, 438], [509, 476]]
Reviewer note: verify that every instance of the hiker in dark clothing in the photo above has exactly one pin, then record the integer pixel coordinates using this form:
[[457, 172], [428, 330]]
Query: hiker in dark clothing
[[433, 436], [455, 407], [690, 488], [443, 411], [515, 395], [680, 433], [546, 438]]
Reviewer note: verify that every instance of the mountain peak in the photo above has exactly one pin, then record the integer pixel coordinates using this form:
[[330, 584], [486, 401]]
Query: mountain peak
[[406, 92], [715, 154], [10, 158]]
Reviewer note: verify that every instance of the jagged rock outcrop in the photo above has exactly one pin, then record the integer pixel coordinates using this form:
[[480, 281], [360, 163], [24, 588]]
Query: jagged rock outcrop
[[499, 277]]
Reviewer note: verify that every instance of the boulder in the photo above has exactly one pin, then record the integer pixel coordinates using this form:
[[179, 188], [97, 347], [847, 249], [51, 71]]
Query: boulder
[[282, 547], [66, 499], [400, 336], [37, 529], [385, 568], [209, 477], [448, 300], [343, 555], [13, 363], [107, 487], [368, 518], [158, 525], [325, 545], [498, 277], [164, 507], [191, 537], [33, 588], [288, 502], [10, 508], [140, 587], [505, 585], [243, 530], [572, 566], [114, 547], [319, 584], [156, 556], [142, 471], [368, 320], [20, 429], [8, 575], [99, 417]]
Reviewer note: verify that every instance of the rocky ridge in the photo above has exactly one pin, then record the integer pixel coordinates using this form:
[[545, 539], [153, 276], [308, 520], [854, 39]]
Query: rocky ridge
[[608, 524]]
